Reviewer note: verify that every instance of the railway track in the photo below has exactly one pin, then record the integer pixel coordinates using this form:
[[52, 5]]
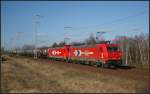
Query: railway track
[[128, 73]]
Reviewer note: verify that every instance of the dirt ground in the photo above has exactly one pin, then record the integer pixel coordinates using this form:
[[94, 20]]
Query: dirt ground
[[24, 75]]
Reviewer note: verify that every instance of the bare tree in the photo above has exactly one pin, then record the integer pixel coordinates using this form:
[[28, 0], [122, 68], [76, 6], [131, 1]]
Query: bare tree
[[28, 47], [135, 50], [54, 44], [91, 40], [61, 44]]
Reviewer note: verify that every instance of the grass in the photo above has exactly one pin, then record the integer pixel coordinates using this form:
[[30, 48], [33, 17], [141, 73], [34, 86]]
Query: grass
[[24, 75]]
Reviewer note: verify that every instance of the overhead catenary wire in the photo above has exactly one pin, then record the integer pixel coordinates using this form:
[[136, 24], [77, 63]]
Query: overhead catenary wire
[[103, 24], [111, 22]]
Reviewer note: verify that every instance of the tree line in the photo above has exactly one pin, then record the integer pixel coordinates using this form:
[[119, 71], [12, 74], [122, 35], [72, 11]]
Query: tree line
[[134, 49]]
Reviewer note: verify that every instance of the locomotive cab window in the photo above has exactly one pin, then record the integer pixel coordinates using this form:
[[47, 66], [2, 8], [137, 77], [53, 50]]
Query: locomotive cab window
[[112, 48]]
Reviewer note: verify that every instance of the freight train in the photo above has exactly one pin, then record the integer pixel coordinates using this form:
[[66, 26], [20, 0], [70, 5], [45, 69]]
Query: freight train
[[101, 55], [104, 55]]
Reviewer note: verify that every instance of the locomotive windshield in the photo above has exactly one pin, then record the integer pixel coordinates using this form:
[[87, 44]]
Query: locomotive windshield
[[112, 48]]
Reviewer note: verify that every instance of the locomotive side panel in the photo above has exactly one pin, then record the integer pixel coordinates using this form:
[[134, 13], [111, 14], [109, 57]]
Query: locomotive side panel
[[57, 52], [89, 54]]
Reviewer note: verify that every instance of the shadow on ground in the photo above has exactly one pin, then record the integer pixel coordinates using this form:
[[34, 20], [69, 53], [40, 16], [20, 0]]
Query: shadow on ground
[[126, 67]]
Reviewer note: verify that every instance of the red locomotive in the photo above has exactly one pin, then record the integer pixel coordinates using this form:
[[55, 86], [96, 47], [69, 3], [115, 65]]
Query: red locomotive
[[103, 54]]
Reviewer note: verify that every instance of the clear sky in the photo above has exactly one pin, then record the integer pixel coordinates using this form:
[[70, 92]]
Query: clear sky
[[88, 17]]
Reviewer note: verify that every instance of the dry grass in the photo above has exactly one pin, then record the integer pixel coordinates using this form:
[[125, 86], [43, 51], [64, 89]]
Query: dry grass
[[24, 75]]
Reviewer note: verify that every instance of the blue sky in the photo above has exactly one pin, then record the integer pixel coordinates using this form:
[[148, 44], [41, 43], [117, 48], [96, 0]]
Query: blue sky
[[85, 18]]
